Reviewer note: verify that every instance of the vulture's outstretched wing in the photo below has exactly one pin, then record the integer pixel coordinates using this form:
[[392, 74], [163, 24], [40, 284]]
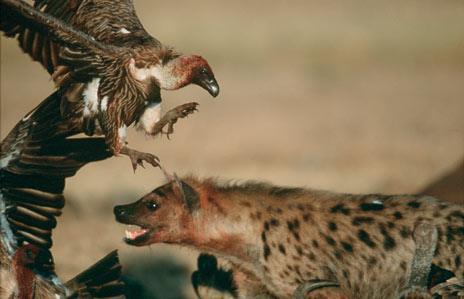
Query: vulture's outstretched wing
[[37, 156], [36, 159], [81, 53], [110, 22]]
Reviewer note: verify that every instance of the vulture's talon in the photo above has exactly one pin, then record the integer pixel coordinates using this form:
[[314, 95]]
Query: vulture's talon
[[137, 158]]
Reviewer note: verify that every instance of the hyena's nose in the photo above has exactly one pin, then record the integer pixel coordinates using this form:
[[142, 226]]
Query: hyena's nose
[[118, 211]]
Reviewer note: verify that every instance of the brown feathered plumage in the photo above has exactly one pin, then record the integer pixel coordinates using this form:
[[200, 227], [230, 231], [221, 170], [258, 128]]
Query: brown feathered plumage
[[36, 158], [29, 274], [108, 68]]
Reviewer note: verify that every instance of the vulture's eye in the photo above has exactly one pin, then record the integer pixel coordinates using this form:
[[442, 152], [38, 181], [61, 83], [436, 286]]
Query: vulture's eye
[[152, 206], [204, 71]]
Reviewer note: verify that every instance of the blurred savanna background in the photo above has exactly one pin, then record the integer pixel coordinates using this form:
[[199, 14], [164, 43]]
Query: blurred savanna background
[[350, 96]]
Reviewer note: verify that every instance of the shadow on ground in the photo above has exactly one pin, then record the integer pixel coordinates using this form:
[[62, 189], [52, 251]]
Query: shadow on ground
[[156, 278]]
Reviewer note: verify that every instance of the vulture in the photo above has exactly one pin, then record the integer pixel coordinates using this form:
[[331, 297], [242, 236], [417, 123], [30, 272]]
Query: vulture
[[109, 71], [28, 274], [36, 158]]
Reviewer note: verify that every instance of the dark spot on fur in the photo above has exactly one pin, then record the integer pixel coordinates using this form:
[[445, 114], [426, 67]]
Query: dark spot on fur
[[279, 211], [306, 217], [338, 255], [414, 204], [290, 226], [274, 222], [332, 226], [388, 242], [282, 249], [296, 235], [348, 247], [372, 261], [311, 256], [300, 207], [315, 244], [245, 204], [405, 232], [340, 208], [398, 215], [299, 250], [369, 206], [266, 226], [263, 236], [366, 238], [296, 223], [330, 240], [458, 261], [403, 265], [362, 219], [390, 224], [267, 251], [436, 214], [346, 274], [293, 227], [449, 234]]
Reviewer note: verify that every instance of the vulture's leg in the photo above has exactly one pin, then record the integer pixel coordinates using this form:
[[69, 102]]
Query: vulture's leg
[[137, 157], [171, 117], [425, 237]]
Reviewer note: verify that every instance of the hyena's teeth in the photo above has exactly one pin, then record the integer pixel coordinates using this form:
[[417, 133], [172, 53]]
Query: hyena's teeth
[[136, 233]]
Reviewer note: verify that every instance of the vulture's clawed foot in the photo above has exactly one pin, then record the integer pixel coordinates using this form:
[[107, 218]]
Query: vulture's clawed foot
[[137, 158], [171, 117]]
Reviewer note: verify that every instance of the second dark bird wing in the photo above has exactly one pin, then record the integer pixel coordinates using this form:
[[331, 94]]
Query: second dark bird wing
[[36, 158]]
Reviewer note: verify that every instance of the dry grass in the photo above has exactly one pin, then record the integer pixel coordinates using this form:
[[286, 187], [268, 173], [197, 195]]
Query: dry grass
[[351, 96]]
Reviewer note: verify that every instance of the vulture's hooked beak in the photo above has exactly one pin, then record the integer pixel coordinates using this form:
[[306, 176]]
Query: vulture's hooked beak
[[210, 84]]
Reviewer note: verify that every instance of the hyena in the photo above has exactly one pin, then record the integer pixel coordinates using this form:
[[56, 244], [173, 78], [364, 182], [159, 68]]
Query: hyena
[[284, 237]]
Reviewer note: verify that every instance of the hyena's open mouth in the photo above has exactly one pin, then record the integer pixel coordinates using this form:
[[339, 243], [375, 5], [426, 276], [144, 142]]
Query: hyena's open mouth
[[137, 235]]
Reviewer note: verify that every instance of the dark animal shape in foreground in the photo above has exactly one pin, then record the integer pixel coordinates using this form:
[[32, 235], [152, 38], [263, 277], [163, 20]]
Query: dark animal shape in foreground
[[36, 158], [109, 70], [210, 276], [29, 274], [285, 237]]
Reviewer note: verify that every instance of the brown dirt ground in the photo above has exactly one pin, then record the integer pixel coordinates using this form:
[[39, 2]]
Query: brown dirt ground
[[350, 96]]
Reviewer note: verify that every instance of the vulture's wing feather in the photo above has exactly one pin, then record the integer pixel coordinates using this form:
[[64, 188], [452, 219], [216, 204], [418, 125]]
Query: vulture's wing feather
[[101, 280], [110, 22], [82, 53], [35, 160]]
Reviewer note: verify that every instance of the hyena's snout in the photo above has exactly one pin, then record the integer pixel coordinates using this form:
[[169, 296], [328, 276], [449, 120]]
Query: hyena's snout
[[124, 213]]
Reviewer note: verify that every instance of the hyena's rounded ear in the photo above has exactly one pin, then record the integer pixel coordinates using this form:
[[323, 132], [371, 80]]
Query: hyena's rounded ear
[[186, 193]]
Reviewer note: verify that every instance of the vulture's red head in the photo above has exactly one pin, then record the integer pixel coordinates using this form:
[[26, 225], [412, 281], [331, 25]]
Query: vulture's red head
[[200, 73], [175, 72]]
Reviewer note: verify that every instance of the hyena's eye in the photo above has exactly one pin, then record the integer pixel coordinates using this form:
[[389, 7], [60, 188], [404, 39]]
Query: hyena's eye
[[152, 206]]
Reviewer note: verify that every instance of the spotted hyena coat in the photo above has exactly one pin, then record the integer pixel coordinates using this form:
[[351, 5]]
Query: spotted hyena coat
[[284, 237]]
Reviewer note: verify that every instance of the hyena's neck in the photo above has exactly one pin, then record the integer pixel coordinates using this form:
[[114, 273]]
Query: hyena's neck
[[224, 226]]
